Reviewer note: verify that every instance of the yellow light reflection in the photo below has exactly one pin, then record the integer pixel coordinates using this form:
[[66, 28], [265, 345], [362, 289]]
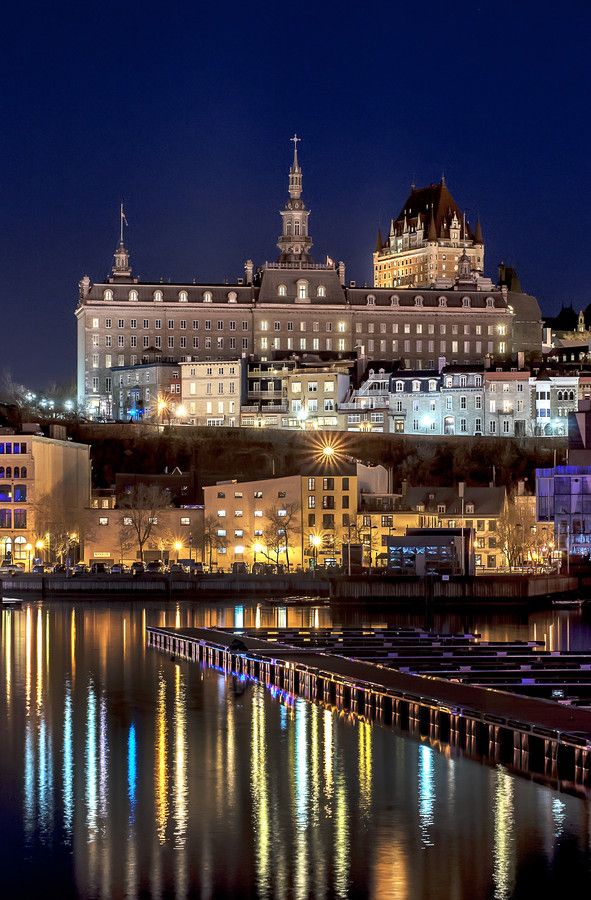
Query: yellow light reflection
[[365, 767], [180, 761], [504, 840], [161, 763], [73, 646], [260, 794]]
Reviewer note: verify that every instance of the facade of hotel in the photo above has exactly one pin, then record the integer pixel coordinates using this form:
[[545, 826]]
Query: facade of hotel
[[294, 307], [426, 242]]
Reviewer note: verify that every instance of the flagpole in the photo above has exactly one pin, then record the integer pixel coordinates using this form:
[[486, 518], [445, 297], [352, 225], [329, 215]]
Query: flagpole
[[121, 218]]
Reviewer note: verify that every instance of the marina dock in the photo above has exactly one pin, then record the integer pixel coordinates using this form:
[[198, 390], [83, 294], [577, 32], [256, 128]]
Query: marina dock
[[354, 671]]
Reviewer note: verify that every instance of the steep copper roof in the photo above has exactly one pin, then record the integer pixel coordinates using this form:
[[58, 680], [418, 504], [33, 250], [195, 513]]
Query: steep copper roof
[[434, 199]]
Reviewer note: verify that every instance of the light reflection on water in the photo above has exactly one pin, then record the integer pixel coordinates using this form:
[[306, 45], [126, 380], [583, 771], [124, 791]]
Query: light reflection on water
[[138, 775]]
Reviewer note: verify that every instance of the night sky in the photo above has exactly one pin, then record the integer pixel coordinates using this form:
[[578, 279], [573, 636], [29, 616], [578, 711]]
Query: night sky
[[186, 110]]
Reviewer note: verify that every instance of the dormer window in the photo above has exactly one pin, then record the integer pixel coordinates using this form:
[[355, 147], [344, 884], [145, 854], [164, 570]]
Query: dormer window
[[108, 295], [394, 300], [399, 386], [157, 296], [465, 302], [371, 300], [449, 382], [133, 296], [321, 290], [207, 297], [432, 385], [183, 297], [490, 303], [416, 386], [443, 301], [441, 509], [282, 290], [232, 297], [478, 380], [418, 301], [302, 290], [470, 509]]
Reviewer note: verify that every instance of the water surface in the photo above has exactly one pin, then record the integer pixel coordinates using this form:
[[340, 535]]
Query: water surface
[[124, 773]]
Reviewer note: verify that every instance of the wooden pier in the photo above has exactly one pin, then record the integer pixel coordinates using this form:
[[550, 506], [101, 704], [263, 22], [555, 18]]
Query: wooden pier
[[538, 737]]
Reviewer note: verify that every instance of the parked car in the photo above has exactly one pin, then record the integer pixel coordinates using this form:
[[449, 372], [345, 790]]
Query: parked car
[[119, 569], [38, 569], [155, 566], [239, 568], [12, 569], [59, 569], [99, 568], [80, 569], [178, 568], [137, 568]]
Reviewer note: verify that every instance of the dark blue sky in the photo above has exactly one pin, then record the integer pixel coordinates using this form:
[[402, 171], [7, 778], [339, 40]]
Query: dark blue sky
[[186, 112]]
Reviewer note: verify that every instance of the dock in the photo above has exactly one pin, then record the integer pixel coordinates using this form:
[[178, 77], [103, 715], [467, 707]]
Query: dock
[[533, 735]]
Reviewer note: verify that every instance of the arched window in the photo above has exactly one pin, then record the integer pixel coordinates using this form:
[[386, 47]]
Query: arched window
[[465, 301], [183, 297], [207, 296], [157, 296], [443, 301], [571, 395], [9, 471], [302, 290], [23, 471], [1, 471], [232, 297], [17, 472], [296, 228], [20, 493], [108, 295], [371, 300], [289, 226], [559, 395], [432, 385], [133, 296], [321, 290], [418, 301], [490, 302], [282, 290], [416, 385], [399, 386]]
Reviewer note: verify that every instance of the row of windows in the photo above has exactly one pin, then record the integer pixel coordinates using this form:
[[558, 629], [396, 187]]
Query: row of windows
[[13, 447], [153, 520], [341, 326], [158, 296], [13, 493], [19, 472], [6, 518]]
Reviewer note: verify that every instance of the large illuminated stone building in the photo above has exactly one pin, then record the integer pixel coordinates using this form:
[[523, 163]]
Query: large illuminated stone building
[[293, 306], [426, 241]]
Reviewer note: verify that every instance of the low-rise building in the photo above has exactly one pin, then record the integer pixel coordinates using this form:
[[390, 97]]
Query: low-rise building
[[508, 403], [314, 396], [301, 519], [148, 389], [111, 537], [462, 400], [212, 392]]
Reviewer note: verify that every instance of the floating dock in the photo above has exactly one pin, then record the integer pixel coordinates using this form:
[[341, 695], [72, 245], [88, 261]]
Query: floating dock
[[539, 737]]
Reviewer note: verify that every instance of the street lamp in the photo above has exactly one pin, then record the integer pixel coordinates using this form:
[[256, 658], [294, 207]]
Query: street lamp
[[39, 545], [28, 549], [178, 547], [315, 541], [181, 411], [257, 548]]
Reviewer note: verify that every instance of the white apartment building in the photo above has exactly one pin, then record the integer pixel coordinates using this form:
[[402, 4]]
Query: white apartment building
[[212, 391]]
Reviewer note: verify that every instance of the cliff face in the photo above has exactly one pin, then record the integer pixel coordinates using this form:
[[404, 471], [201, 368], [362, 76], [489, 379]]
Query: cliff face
[[217, 453]]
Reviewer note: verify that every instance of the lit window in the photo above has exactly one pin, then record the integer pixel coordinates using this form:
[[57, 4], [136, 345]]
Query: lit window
[[183, 297], [207, 297], [282, 290], [103, 520]]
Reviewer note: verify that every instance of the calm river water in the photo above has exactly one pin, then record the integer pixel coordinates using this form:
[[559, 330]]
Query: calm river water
[[126, 774]]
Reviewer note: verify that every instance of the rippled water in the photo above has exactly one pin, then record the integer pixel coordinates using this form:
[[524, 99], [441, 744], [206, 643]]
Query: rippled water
[[125, 773]]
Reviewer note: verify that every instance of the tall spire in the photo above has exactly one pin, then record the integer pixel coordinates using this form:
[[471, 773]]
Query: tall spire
[[121, 267], [295, 243]]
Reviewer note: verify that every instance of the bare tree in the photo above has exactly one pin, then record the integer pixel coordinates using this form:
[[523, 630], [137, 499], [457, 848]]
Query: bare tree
[[516, 532], [141, 506], [57, 524], [211, 540], [283, 524], [126, 541]]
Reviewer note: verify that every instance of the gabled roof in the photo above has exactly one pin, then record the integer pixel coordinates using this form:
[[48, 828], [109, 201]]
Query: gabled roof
[[487, 501], [433, 201]]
